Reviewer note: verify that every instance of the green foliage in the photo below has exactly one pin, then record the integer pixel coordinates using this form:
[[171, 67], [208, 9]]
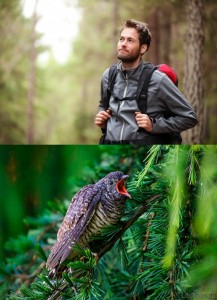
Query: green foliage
[[159, 250]]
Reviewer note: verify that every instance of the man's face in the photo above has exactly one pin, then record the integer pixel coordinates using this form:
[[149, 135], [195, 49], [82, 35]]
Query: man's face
[[129, 49]]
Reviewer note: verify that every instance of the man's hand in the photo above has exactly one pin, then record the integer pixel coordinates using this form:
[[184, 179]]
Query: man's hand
[[143, 121], [102, 117]]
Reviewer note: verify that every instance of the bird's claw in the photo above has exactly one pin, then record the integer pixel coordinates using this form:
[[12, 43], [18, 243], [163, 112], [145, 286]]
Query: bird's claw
[[95, 255]]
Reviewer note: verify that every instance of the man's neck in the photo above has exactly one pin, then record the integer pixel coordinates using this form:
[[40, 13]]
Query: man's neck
[[133, 65]]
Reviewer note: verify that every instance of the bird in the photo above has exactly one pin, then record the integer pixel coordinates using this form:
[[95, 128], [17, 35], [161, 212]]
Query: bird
[[93, 208]]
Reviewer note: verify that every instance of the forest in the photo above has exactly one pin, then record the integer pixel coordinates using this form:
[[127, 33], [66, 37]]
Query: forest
[[163, 247], [56, 103]]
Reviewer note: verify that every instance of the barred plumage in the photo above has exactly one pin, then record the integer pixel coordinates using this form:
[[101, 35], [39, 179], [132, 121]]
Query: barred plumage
[[94, 207]]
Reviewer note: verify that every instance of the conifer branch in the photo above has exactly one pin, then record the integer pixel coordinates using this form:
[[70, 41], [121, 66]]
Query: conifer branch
[[126, 225]]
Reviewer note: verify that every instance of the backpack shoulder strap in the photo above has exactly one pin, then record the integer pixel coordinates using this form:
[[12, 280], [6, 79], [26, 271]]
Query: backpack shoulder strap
[[111, 82], [112, 76], [143, 84]]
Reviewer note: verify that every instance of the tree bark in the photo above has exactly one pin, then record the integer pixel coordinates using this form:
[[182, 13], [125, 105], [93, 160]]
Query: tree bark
[[193, 79]]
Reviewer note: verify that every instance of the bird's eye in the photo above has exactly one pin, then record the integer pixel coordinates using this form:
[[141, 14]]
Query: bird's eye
[[111, 182]]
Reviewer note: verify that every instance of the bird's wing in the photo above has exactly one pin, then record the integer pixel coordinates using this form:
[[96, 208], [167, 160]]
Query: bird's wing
[[75, 222]]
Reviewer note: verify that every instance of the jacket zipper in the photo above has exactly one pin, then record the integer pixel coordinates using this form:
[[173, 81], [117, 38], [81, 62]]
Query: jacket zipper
[[125, 92]]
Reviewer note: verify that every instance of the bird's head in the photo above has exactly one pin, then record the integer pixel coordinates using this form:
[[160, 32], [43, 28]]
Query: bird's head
[[114, 183]]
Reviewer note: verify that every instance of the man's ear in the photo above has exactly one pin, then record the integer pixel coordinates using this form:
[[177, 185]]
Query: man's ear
[[144, 48]]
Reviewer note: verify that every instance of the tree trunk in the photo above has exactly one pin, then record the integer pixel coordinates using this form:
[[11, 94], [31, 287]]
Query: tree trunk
[[165, 34], [116, 26], [193, 83], [32, 80], [153, 25]]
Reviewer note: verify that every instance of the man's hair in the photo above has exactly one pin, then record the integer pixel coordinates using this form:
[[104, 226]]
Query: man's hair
[[141, 28]]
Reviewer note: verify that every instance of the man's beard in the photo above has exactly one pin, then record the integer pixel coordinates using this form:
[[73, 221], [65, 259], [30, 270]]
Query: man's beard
[[129, 59]]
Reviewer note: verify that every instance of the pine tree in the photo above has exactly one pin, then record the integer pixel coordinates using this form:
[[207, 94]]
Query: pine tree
[[163, 248]]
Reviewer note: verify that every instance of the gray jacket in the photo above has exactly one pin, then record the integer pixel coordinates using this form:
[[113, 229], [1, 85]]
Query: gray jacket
[[163, 98]]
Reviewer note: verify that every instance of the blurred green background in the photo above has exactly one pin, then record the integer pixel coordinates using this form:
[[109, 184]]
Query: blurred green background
[[30, 176]]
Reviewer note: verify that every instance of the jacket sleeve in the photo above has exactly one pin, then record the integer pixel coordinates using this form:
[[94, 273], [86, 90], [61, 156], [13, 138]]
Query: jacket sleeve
[[179, 115], [103, 90]]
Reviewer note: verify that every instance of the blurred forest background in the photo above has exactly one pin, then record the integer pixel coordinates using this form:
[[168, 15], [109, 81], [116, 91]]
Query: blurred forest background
[[31, 176], [56, 103]]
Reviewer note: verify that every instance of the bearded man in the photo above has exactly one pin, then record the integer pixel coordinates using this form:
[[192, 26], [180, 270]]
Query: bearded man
[[167, 109]]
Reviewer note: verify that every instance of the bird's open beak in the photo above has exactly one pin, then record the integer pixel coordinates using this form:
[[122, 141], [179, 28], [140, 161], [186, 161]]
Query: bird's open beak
[[121, 188]]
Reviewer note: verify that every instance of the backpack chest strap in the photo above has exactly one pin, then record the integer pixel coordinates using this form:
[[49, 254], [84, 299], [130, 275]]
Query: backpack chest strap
[[142, 88]]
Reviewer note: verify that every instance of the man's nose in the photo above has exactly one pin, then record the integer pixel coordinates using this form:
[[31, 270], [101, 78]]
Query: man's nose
[[123, 43]]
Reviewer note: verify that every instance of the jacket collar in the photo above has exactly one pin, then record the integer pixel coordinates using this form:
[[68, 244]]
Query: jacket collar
[[131, 72]]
